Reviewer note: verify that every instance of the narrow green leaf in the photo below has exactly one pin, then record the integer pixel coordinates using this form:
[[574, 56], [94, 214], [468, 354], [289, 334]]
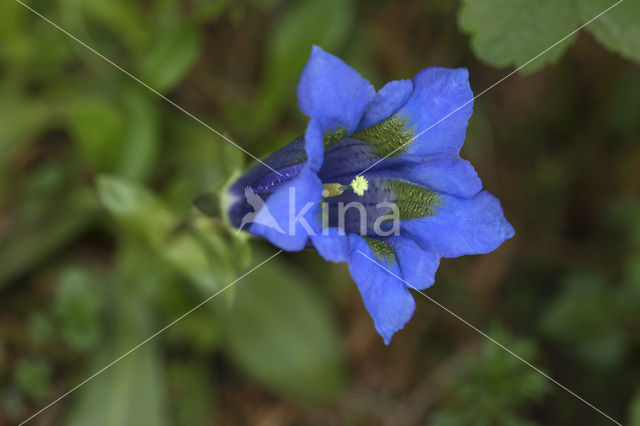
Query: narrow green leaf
[[131, 392], [141, 212], [141, 136], [97, 127], [322, 22]]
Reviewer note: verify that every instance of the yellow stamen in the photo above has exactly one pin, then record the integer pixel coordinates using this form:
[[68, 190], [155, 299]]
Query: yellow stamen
[[332, 190], [360, 185]]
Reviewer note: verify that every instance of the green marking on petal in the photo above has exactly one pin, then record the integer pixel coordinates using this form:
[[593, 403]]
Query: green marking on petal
[[413, 201], [381, 250], [388, 137], [332, 137]]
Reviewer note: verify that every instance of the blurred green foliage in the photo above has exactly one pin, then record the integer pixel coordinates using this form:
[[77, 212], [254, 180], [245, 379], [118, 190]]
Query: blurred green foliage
[[508, 32], [100, 247], [495, 386]]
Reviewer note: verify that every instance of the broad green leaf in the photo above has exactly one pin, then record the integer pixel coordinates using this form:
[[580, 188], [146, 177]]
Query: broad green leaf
[[173, 52], [618, 29], [512, 32], [281, 333]]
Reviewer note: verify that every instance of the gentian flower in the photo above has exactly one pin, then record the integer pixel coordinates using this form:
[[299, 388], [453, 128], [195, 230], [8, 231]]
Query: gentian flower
[[438, 196]]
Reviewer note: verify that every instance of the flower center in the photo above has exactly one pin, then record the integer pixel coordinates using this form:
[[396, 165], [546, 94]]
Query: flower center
[[359, 185]]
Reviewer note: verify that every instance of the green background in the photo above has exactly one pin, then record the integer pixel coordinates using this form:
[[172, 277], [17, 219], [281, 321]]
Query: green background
[[100, 246]]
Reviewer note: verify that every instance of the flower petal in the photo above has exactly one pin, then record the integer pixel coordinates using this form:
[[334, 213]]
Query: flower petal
[[461, 226], [332, 92], [275, 220], [417, 266], [387, 101], [313, 145], [442, 173], [386, 298], [442, 96], [289, 161], [345, 159], [332, 244]]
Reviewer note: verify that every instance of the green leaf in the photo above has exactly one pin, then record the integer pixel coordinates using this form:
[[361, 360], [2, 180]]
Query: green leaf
[[512, 32], [192, 396], [33, 376], [204, 161], [583, 317], [77, 304], [322, 22], [123, 18], [139, 211], [44, 234], [618, 29], [174, 51], [141, 136], [634, 410], [136, 207], [513, 385], [281, 333], [97, 127], [130, 392]]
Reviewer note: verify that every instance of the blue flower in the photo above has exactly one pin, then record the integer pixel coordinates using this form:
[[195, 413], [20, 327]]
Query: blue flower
[[436, 195]]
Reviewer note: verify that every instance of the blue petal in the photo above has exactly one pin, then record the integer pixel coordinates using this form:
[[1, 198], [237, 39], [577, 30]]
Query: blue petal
[[387, 101], [346, 159], [386, 298], [314, 146], [302, 153], [442, 173], [332, 244], [417, 266], [332, 92], [283, 160], [461, 226], [438, 93], [275, 222]]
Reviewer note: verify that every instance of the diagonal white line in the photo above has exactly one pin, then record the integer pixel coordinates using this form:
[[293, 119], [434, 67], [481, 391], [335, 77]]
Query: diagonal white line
[[495, 341], [492, 86], [148, 338], [147, 86]]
